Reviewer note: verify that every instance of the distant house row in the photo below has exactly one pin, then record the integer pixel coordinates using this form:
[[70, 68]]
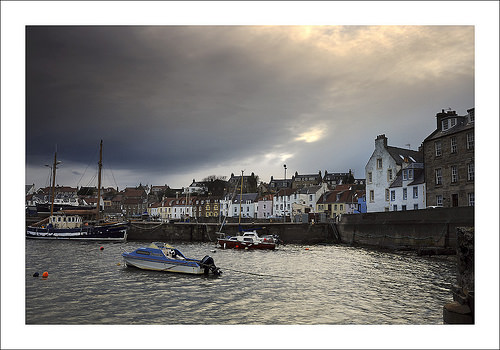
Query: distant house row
[[439, 174]]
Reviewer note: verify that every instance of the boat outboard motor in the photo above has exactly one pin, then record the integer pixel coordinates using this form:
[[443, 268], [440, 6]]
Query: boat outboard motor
[[208, 263]]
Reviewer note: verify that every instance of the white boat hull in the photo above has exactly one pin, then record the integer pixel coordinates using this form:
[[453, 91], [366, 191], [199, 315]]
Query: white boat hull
[[167, 266]]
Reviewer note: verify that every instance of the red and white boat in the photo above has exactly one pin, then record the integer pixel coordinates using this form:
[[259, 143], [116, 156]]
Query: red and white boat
[[247, 240]]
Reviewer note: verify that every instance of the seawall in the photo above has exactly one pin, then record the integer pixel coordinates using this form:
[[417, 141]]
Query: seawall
[[417, 229], [427, 228]]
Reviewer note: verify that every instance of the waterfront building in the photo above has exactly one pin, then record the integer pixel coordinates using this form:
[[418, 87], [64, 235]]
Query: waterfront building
[[449, 160], [211, 207], [277, 184], [195, 187], [344, 199], [305, 180], [153, 210], [265, 206], [303, 200], [381, 169], [181, 208], [407, 191], [281, 202]]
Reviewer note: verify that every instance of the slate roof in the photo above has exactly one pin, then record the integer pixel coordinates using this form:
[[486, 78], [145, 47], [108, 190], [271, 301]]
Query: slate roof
[[400, 154]]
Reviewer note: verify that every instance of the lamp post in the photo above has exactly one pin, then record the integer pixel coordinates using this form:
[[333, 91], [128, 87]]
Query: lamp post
[[284, 197]]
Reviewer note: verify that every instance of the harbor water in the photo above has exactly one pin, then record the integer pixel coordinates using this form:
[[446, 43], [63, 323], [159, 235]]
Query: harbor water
[[293, 285]]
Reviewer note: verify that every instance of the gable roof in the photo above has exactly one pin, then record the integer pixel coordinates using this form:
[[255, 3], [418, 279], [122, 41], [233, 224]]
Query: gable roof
[[401, 154]]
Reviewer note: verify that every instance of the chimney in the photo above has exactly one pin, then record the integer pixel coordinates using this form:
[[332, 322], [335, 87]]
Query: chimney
[[381, 141]]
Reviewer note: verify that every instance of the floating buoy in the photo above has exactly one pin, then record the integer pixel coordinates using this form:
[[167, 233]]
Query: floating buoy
[[118, 264], [213, 250], [45, 274], [102, 248], [36, 274], [307, 248]]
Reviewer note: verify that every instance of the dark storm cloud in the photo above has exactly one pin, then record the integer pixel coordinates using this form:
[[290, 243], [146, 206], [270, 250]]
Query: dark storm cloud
[[169, 100]]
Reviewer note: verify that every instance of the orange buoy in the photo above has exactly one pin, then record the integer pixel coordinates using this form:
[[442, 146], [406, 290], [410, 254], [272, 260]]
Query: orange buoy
[[102, 248], [45, 274], [307, 248]]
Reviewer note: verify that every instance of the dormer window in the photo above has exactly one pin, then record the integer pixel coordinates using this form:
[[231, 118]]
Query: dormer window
[[448, 123]]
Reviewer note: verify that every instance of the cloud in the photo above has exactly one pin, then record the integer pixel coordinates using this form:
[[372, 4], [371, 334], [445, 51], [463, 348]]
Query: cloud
[[171, 100]]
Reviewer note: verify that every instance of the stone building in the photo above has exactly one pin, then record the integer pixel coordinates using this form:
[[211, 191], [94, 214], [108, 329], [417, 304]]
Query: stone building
[[449, 160]]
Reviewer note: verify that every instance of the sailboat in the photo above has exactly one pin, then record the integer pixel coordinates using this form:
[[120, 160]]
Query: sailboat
[[74, 224], [245, 239]]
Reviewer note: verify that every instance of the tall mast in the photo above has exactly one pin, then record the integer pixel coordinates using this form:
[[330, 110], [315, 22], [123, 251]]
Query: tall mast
[[53, 183], [241, 196], [99, 183]]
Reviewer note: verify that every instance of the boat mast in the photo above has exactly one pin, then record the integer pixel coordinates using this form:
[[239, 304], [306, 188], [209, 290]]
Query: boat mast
[[53, 183], [99, 183], [241, 196]]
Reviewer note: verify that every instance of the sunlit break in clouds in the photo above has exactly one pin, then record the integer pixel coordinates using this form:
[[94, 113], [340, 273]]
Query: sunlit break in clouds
[[311, 135]]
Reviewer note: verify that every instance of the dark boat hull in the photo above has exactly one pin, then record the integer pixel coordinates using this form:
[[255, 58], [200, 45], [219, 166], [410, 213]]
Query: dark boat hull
[[111, 232], [231, 244]]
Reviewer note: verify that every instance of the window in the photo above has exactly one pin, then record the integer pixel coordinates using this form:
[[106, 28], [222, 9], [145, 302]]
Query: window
[[393, 195], [470, 172], [395, 208], [437, 146], [439, 176], [405, 193], [310, 198], [439, 200], [372, 196], [410, 174], [444, 125], [341, 207], [370, 177], [453, 122], [389, 174], [470, 197], [470, 141], [386, 194], [454, 174], [453, 145], [379, 163], [335, 207], [403, 208], [415, 206], [405, 175], [415, 192]]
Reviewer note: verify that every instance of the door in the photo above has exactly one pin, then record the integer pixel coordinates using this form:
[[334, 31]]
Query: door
[[454, 200]]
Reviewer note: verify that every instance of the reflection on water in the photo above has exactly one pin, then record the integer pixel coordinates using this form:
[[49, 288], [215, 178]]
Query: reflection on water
[[334, 285]]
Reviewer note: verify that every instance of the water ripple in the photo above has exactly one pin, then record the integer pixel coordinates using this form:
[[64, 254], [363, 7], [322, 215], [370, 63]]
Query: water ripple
[[294, 285]]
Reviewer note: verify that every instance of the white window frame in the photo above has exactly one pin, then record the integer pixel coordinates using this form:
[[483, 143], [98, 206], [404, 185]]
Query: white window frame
[[405, 193], [470, 199], [453, 143], [470, 140], [438, 148], [439, 176], [379, 163], [370, 177], [470, 172], [454, 174], [439, 200], [415, 191]]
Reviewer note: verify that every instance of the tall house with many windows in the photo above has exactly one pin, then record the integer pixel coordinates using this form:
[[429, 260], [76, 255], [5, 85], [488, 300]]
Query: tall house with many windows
[[381, 170], [449, 160]]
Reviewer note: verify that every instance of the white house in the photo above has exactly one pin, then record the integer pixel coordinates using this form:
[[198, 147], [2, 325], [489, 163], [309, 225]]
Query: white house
[[265, 207], [381, 169], [281, 202], [407, 192], [230, 207], [304, 200]]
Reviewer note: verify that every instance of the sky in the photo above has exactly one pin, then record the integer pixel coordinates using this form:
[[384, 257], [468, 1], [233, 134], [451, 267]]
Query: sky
[[177, 103], [184, 90]]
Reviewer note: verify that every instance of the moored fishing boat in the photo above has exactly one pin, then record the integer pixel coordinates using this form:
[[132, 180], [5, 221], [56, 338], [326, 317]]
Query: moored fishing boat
[[248, 240], [77, 224], [245, 239], [160, 256]]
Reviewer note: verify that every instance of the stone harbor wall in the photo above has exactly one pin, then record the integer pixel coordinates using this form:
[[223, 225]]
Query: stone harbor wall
[[461, 310]]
